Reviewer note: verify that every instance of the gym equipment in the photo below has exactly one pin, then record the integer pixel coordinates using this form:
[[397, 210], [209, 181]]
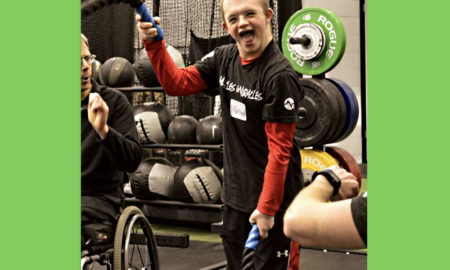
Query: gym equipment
[[250, 248], [176, 56], [153, 179], [313, 40], [182, 129], [144, 70], [117, 72], [346, 161], [209, 130], [352, 108], [321, 112], [152, 122], [315, 160], [197, 181], [96, 70]]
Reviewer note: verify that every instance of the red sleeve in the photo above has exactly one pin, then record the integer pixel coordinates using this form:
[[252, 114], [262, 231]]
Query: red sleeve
[[175, 81], [280, 142]]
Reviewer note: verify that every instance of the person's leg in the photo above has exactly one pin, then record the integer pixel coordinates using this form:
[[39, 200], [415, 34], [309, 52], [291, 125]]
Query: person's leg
[[99, 215], [235, 230], [273, 252]]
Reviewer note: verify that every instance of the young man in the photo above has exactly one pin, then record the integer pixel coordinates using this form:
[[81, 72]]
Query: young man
[[109, 146], [259, 94], [315, 222]]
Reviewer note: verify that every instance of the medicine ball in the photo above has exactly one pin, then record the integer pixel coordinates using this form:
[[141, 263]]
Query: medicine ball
[[197, 181], [96, 70], [182, 129], [209, 130], [177, 57], [117, 72], [152, 122], [153, 179], [144, 70]]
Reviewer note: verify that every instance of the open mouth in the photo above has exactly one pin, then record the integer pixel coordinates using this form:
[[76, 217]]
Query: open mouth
[[247, 35]]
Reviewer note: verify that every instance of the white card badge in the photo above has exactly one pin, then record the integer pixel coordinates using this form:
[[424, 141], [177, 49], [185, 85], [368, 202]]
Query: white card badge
[[237, 110]]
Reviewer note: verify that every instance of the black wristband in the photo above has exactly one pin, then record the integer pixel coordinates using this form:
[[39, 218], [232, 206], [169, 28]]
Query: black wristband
[[332, 178]]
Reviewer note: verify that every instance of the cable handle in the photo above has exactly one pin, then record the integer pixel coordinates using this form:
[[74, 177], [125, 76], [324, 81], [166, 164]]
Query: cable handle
[[146, 17], [253, 238]]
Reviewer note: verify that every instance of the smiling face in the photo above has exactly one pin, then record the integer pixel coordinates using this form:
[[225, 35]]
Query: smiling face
[[86, 71], [248, 22]]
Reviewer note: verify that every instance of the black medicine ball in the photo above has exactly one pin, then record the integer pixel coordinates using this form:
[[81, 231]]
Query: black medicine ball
[[96, 65], [182, 130], [209, 130], [197, 181], [152, 122], [153, 179], [117, 72], [144, 70]]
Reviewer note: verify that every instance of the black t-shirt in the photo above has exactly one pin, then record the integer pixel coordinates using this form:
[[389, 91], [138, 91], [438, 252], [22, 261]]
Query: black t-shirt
[[267, 89], [359, 213]]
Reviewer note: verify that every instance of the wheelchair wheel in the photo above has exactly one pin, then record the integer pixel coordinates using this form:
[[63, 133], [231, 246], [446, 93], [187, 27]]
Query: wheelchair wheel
[[134, 243]]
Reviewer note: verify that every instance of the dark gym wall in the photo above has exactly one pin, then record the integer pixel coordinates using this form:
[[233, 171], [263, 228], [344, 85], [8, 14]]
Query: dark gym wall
[[110, 31]]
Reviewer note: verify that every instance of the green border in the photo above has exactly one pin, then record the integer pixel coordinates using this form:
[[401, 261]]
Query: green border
[[40, 149], [408, 93]]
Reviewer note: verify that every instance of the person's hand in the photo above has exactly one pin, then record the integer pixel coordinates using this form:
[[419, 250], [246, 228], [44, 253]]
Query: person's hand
[[264, 222], [98, 114], [349, 185], [146, 30]]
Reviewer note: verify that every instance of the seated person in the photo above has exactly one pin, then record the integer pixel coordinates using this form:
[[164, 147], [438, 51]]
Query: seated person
[[313, 221], [109, 147]]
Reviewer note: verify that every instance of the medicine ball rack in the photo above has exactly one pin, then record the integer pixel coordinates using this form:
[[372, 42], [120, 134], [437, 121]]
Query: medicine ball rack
[[175, 211], [180, 211], [184, 148]]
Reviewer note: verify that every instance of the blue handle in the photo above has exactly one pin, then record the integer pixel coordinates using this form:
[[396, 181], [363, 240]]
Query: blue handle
[[146, 17], [253, 238]]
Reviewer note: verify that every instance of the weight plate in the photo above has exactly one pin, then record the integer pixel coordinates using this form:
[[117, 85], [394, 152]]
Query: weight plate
[[333, 44], [346, 161], [311, 40], [334, 134], [318, 113], [315, 160], [352, 106]]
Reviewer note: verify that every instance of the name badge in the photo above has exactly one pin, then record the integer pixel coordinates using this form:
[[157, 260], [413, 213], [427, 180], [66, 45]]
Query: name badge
[[237, 110]]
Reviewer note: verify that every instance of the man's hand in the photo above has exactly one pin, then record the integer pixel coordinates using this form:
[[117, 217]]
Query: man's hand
[[264, 222], [349, 185], [146, 30], [98, 114]]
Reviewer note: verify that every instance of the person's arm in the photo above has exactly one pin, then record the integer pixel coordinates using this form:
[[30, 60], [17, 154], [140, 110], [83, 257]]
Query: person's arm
[[280, 141], [313, 221], [175, 81], [117, 131]]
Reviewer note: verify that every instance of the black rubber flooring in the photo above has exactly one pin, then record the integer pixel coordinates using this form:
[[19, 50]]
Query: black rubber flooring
[[203, 254]]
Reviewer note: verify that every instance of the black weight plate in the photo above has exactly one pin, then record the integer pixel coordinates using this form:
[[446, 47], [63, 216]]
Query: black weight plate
[[318, 113], [351, 103], [335, 133]]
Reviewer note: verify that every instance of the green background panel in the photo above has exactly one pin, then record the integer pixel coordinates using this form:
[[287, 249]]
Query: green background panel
[[40, 145], [408, 134]]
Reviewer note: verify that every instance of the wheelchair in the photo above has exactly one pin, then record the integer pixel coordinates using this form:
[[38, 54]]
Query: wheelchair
[[133, 246]]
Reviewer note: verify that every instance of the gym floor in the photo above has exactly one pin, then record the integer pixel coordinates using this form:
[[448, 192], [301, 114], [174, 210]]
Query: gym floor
[[205, 249]]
